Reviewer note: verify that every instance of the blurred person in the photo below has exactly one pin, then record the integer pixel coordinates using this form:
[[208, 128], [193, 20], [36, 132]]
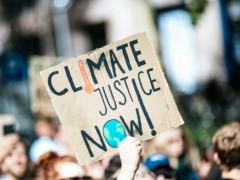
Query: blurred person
[[160, 166], [15, 164], [207, 167], [106, 161], [114, 167], [55, 167], [95, 170], [61, 138], [149, 148], [143, 173], [45, 127], [181, 153], [226, 143], [7, 143], [45, 130]]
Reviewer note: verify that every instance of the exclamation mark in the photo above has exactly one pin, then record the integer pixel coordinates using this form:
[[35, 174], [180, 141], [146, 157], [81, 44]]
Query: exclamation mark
[[153, 132], [88, 86]]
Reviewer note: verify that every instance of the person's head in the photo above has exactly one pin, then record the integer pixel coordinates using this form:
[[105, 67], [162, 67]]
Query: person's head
[[95, 170], [207, 169], [16, 163], [160, 166], [54, 167], [45, 126], [226, 143], [171, 142]]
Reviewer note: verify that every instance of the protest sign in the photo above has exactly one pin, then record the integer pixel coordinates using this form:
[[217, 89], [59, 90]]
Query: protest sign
[[110, 93], [40, 101]]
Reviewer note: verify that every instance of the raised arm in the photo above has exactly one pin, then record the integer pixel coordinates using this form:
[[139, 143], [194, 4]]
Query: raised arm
[[130, 150]]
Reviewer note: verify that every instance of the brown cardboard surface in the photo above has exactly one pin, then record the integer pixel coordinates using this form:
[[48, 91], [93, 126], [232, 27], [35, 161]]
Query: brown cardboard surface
[[127, 90], [40, 101]]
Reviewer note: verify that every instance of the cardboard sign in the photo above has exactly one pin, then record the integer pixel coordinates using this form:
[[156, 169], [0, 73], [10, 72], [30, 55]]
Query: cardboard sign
[[110, 93], [40, 101]]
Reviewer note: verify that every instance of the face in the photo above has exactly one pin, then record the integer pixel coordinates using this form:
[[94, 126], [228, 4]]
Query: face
[[43, 128], [174, 142], [16, 162], [95, 170], [69, 170]]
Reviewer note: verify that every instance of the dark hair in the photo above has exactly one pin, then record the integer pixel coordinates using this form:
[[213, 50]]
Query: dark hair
[[227, 145], [114, 165]]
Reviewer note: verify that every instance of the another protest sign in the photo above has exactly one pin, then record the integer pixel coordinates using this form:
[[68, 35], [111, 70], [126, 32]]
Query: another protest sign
[[40, 101], [110, 93]]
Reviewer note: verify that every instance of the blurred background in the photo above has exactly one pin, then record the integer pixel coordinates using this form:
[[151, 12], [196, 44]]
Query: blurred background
[[197, 41]]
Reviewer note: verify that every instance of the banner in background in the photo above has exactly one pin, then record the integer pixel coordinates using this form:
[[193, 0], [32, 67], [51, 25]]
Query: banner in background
[[40, 101]]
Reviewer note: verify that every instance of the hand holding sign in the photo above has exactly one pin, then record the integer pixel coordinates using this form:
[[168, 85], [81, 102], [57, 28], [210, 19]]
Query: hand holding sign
[[113, 92], [130, 150]]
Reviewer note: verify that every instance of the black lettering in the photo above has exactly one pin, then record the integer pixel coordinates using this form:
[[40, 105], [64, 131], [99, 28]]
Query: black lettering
[[86, 137], [150, 91], [143, 108], [114, 61], [92, 65], [133, 124], [115, 105], [124, 79], [136, 53], [71, 81], [123, 48], [125, 100], [103, 114], [152, 80], [51, 86]]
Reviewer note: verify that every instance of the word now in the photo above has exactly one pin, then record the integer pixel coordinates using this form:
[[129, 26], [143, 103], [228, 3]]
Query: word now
[[134, 126]]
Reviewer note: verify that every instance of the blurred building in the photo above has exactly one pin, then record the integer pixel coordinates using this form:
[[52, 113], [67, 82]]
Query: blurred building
[[198, 43]]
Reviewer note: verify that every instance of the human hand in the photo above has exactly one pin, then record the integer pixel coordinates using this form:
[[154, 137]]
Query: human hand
[[7, 143], [130, 150]]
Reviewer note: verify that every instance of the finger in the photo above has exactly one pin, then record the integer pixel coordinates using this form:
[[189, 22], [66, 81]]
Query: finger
[[139, 148], [127, 140], [131, 140], [137, 143]]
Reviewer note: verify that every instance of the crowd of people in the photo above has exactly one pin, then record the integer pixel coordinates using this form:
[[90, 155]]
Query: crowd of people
[[169, 156]]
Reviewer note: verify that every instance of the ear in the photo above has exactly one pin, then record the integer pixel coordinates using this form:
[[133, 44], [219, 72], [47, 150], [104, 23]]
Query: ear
[[216, 158]]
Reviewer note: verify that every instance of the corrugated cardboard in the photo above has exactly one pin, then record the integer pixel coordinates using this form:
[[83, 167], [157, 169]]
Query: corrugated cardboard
[[121, 82]]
